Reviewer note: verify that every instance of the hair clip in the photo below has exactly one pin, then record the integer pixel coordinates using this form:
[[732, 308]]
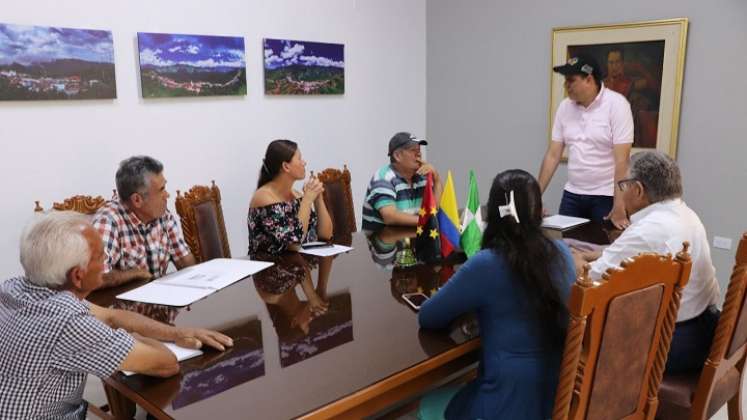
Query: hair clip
[[264, 167], [509, 209]]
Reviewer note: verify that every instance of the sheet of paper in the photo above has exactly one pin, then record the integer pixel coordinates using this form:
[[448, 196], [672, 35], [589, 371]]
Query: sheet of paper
[[165, 294], [214, 274], [562, 222], [326, 251], [191, 284], [181, 353]]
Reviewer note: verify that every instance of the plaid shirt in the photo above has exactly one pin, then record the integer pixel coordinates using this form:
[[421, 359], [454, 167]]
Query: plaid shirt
[[131, 244], [49, 342]]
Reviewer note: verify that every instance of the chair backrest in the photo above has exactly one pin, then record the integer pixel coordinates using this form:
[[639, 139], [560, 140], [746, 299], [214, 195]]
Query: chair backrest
[[618, 338], [734, 304], [729, 347], [85, 204], [338, 197], [202, 222]]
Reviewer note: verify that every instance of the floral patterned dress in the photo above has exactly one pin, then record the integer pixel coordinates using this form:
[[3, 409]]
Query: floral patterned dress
[[275, 226]]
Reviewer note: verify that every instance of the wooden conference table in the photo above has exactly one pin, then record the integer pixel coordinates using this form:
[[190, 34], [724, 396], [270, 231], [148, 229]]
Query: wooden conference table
[[362, 355]]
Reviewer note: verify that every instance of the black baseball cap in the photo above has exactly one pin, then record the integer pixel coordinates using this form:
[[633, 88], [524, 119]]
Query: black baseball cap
[[582, 64], [404, 139]]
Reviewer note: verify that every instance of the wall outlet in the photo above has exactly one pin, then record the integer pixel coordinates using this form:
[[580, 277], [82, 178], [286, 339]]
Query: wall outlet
[[721, 242]]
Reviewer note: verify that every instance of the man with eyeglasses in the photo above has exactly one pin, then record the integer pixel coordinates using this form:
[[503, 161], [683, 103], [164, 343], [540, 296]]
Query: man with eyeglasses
[[660, 223], [597, 126], [396, 190]]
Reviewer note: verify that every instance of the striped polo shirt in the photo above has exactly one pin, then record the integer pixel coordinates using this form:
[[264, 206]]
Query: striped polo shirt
[[388, 188]]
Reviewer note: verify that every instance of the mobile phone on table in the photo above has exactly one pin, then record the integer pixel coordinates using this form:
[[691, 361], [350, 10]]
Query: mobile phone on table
[[415, 300], [312, 245]]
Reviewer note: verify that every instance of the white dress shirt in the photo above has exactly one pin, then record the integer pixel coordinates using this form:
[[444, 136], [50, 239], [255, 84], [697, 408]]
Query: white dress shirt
[[661, 228]]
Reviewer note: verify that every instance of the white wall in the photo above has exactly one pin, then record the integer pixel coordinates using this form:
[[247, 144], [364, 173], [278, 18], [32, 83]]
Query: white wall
[[488, 93], [50, 150]]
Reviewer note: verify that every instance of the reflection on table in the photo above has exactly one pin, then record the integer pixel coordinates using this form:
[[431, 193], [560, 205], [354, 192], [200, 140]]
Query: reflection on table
[[204, 377], [162, 313], [322, 375], [208, 375], [310, 326]]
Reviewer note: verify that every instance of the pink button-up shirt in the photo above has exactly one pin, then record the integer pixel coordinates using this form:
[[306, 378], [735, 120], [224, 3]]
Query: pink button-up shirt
[[590, 134]]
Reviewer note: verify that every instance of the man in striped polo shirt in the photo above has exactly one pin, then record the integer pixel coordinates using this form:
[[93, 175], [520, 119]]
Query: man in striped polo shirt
[[396, 189]]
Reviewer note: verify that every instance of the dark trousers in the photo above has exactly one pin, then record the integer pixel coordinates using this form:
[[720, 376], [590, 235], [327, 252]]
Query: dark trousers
[[691, 342], [594, 207]]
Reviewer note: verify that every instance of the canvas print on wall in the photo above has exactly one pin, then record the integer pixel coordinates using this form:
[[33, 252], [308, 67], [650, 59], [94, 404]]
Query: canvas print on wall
[[191, 65], [303, 67], [44, 62]]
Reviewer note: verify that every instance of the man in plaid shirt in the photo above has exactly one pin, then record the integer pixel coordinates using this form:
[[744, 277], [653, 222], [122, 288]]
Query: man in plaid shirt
[[140, 235], [51, 338]]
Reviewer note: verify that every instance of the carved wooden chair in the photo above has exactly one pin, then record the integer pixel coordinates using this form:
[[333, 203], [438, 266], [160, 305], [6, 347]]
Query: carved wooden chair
[[699, 395], [85, 204], [618, 338], [338, 197], [202, 222]]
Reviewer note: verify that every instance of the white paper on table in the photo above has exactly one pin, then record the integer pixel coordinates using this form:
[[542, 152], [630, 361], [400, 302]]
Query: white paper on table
[[165, 294], [326, 251], [561, 222], [194, 283], [214, 274], [181, 353]]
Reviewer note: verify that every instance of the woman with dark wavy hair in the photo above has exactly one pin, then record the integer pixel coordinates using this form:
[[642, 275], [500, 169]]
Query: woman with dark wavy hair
[[280, 217], [517, 285]]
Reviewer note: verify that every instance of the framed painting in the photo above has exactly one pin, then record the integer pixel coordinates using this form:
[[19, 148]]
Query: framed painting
[[643, 61]]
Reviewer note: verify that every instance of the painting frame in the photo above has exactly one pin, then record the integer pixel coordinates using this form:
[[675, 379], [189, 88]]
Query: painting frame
[[674, 34]]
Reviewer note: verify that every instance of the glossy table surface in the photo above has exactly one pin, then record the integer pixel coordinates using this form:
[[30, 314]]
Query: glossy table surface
[[289, 360], [290, 357]]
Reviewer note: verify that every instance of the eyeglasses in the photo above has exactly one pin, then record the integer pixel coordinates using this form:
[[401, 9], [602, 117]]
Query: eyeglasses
[[623, 182]]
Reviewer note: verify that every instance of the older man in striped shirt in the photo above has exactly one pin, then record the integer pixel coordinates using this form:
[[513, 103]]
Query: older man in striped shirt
[[396, 189]]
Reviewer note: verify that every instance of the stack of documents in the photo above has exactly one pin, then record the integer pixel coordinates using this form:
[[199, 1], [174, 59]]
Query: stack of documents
[[191, 284], [561, 222]]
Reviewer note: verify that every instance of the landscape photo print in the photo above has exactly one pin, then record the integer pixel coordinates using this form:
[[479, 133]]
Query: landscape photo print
[[173, 65], [303, 67], [45, 62]]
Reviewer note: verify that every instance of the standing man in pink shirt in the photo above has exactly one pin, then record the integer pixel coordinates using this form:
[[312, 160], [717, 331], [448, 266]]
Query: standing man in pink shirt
[[597, 126]]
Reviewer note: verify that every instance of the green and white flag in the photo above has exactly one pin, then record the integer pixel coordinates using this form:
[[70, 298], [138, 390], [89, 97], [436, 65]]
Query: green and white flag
[[472, 224]]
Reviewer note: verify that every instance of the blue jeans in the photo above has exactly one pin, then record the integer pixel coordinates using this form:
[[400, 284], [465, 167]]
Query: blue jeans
[[594, 207], [691, 342]]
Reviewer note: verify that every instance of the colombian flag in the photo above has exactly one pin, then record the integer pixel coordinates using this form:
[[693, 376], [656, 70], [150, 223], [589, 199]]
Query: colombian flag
[[448, 219]]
